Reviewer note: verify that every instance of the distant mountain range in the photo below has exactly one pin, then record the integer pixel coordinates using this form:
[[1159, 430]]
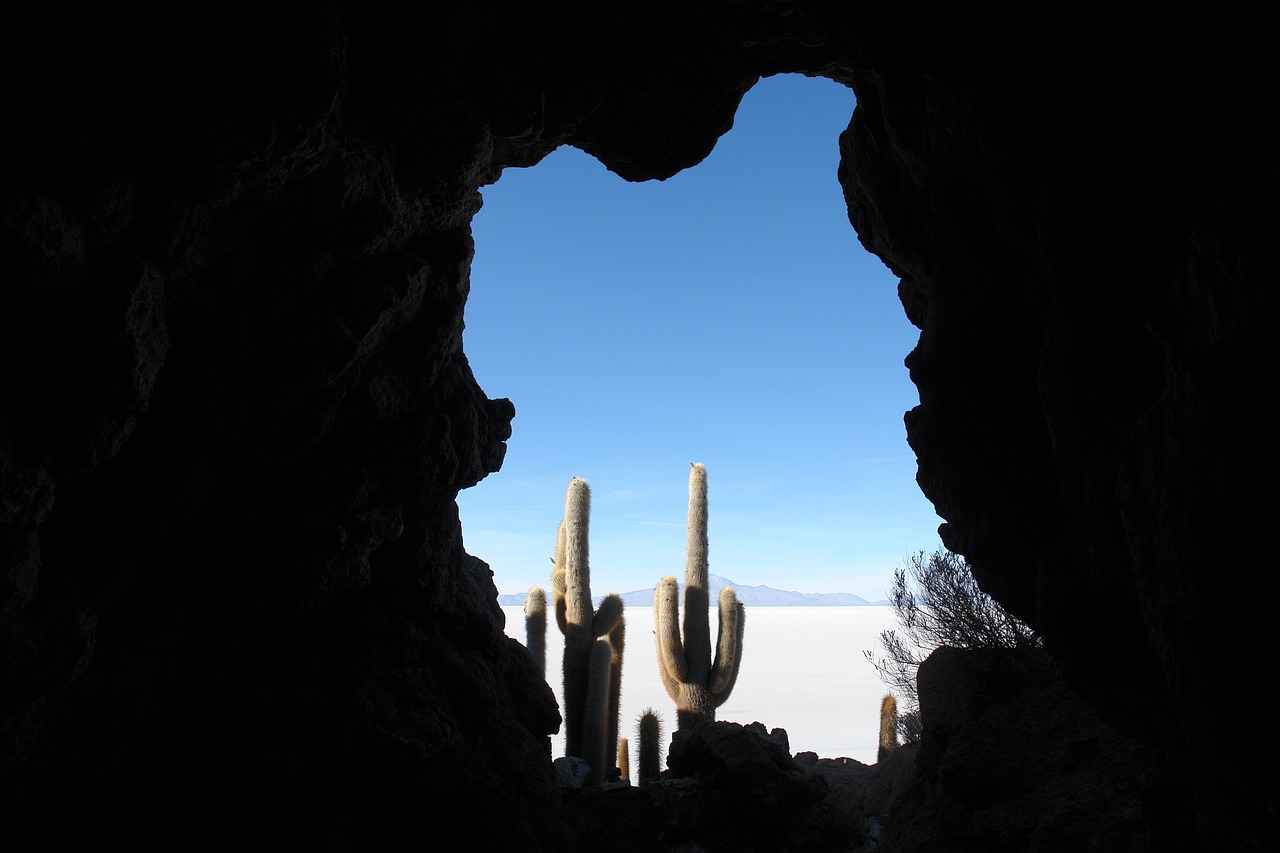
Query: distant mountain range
[[751, 596]]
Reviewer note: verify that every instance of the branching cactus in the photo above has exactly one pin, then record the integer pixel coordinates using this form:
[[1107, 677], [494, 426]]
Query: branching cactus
[[535, 627], [586, 728], [696, 683], [888, 726], [650, 734]]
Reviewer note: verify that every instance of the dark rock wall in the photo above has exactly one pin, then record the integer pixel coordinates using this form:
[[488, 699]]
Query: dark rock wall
[[236, 414], [236, 411], [1078, 217], [1011, 760]]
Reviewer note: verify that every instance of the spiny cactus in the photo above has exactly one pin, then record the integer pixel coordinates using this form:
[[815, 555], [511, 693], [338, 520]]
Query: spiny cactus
[[697, 684], [888, 726], [535, 627], [596, 748], [624, 760], [592, 669], [617, 643], [650, 734]]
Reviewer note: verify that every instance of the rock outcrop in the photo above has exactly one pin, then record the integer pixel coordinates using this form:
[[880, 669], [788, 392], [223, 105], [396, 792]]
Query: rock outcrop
[[235, 410], [1011, 760]]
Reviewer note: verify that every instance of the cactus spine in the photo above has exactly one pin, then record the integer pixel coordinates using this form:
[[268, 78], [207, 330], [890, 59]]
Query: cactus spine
[[888, 726], [592, 667], [535, 627], [650, 733], [697, 684]]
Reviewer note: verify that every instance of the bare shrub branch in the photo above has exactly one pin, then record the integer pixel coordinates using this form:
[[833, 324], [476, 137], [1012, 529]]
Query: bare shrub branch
[[938, 603]]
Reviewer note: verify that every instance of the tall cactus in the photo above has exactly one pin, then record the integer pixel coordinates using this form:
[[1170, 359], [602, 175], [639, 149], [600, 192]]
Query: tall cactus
[[535, 627], [888, 726], [587, 726], [697, 684]]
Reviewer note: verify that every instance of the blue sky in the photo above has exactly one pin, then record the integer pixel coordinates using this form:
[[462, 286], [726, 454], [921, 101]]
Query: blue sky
[[727, 315]]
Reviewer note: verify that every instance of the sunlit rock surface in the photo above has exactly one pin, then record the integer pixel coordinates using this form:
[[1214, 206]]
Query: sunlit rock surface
[[235, 409]]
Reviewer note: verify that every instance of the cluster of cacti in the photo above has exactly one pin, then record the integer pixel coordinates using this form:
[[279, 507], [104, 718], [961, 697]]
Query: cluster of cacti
[[592, 666], [694, 681], [888, 726], [594, 642]]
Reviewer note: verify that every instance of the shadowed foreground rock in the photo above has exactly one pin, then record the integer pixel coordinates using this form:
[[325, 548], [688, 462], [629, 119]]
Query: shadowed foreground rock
[[1011, 760], [235, 411]]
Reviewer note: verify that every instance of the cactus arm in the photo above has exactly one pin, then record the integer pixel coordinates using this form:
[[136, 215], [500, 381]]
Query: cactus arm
[[561, 621], [666, 618], [607, 615], [596, 751], [535, 627], [558, 580], [724, 672], [617, 644]]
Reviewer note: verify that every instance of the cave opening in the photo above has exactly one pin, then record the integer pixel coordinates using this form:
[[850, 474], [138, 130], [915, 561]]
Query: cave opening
[[727, 316]]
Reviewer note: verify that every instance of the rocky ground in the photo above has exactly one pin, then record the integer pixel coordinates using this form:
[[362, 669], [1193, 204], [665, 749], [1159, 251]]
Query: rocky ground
[[1011, 760]]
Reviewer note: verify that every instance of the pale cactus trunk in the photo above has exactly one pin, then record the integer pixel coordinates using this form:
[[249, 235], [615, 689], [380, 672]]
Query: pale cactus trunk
[[578, 638], [697, 598]]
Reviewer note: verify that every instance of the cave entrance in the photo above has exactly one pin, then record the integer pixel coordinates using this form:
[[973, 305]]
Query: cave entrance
[[727, 315]]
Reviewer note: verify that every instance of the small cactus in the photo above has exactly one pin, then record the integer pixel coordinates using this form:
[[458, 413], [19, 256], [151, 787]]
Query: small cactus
[[624, 760], [888, 726], [697, 684], [535, 627], [592, 667], [650, 734]]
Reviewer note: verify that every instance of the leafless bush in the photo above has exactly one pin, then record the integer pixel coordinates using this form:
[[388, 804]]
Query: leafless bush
[[938, 603]]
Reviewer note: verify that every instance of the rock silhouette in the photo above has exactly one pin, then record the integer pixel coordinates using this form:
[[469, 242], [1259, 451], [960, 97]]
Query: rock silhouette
[[235, 410]]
